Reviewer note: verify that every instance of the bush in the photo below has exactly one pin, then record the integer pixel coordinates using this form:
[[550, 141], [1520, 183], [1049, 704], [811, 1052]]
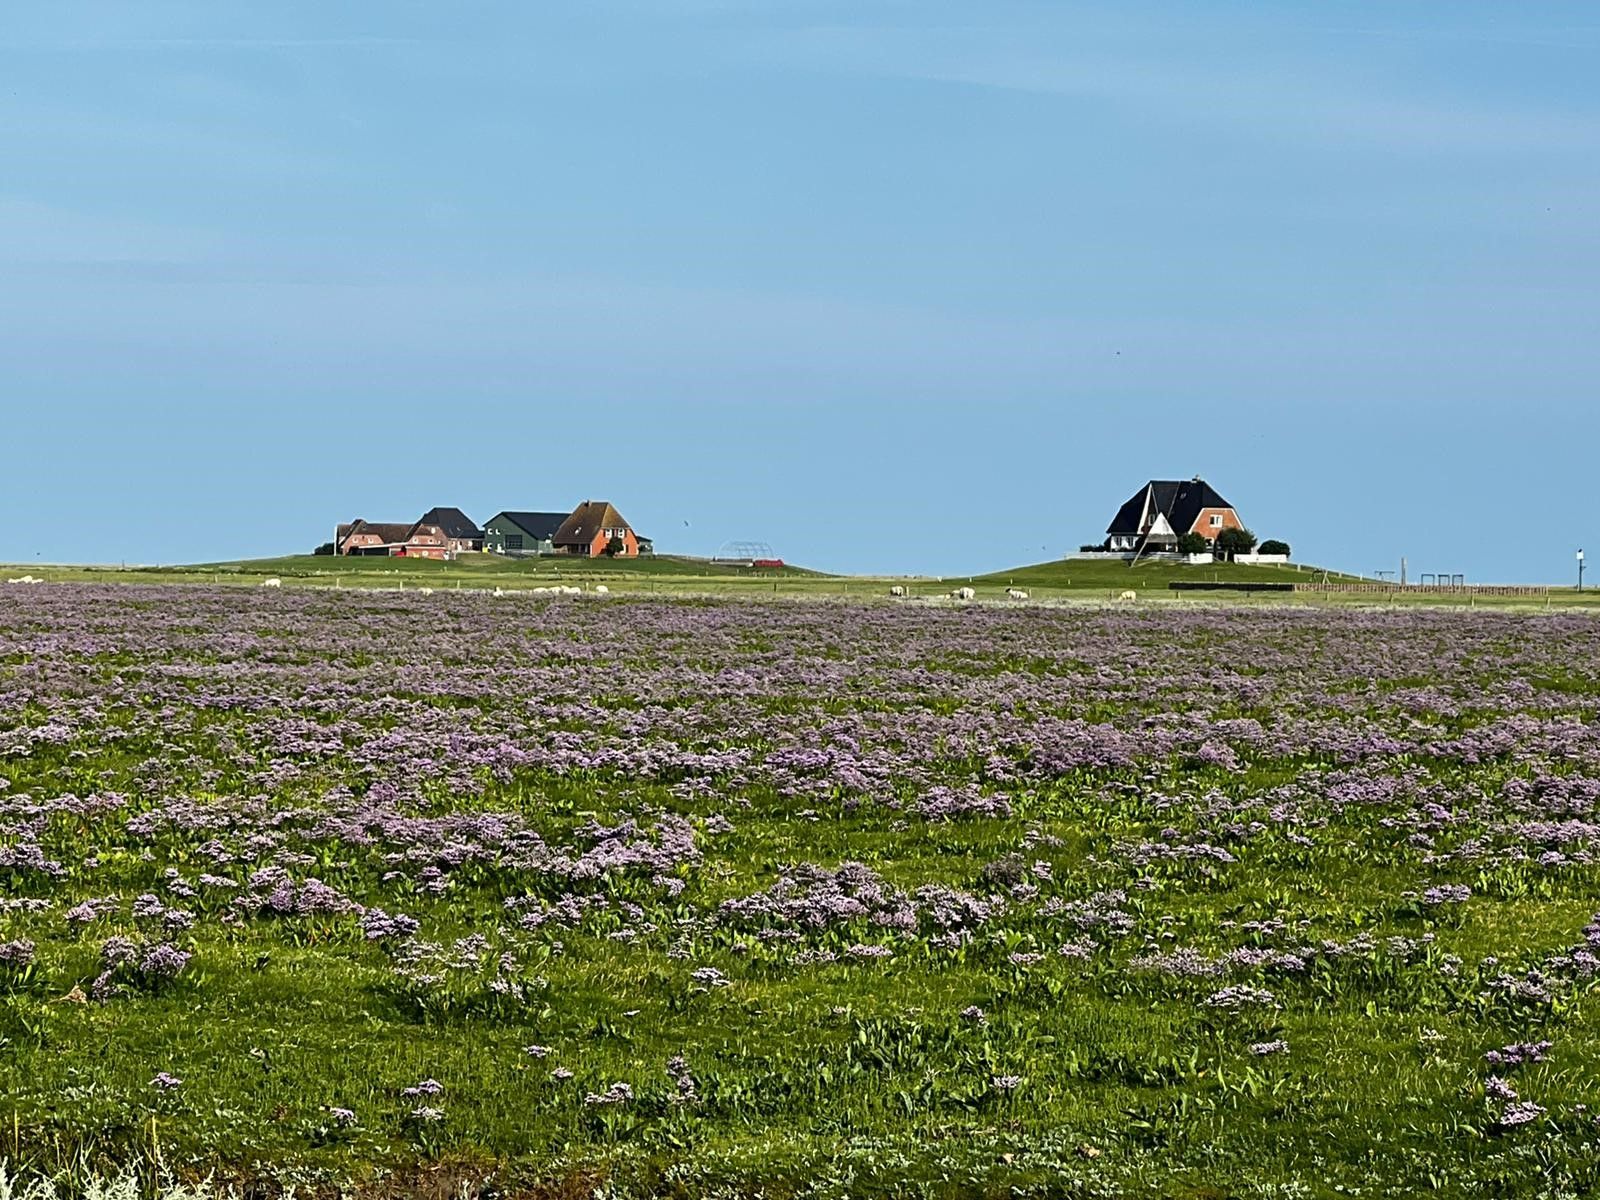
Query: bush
[[1274, 546], [325, 548], [1091, 547], [1236, 541], [615, 546], [1193, 543]]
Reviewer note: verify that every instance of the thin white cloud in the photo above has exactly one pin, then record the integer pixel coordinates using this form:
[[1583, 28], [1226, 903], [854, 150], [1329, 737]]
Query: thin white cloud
[[1276, 90]]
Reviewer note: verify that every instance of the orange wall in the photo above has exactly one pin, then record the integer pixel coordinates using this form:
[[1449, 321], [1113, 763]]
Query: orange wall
[[1203, 526], [630, 545]]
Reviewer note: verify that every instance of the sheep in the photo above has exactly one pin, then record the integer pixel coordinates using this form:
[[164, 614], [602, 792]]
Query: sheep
[[1016, 593], [539, 591], [570, 590], [499, 591], [1129, 596], [964, 593], [425, 591], [273, 582], [897, 590], [25, 579], [601, 589]]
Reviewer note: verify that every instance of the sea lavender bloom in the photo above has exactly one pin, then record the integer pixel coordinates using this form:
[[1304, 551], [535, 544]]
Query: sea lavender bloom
[[17, 954], [617, 1093], [1006, 1084], [377, 926], [1517, 1053], [166, 1082], [163, 961], [1520, 1112], [428, 1087], [1241, 996], [1261, 1049]]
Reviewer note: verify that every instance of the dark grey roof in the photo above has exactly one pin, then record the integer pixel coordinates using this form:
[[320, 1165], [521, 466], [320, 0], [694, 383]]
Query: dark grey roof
[[1179, 500], [454, 522], [541, 526]]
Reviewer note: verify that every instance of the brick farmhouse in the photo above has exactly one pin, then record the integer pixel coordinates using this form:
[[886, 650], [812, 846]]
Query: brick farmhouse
[[588, 531]]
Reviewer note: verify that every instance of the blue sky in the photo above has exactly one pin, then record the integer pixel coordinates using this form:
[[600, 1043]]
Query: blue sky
[[893, 286]]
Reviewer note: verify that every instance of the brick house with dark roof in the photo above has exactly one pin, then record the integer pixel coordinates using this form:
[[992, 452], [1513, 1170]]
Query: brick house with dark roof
[[458, 528], [416, 540], [590, 528], [1162, 511]]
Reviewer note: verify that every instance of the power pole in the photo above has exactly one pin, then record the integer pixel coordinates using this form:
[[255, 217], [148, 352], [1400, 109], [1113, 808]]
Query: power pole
[[1580, 570]]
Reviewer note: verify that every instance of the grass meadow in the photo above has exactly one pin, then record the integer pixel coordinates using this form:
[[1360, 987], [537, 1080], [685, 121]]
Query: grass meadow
[[389, 893]]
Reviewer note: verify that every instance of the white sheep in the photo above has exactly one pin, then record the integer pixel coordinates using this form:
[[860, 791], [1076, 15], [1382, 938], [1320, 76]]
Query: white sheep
[[897, 590], [1129, 596], [25, 579], [1016, 593], [273, 582], [425, 591], [499, 591], [964, 593], [539, 591], [601, 589], [570, 590]]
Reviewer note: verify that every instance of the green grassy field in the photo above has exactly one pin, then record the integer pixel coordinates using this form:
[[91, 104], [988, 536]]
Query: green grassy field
[[1060, 580]]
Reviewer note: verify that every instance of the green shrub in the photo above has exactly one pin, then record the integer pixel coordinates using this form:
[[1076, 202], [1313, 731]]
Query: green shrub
[[1235, 541]]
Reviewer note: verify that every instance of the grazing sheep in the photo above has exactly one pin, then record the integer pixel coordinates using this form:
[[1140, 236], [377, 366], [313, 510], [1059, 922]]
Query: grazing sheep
[[570, 590], [273, 582], [1130, 596], [897, 590], [25, 579], [425, 591], [601, 589], [539, 591], [964, 593], [499, 591], [1016, 593]]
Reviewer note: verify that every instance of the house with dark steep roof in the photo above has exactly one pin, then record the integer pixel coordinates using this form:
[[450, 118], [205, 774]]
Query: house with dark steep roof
[[458, 528], [1162, 511], [590, 529], [522, 534]]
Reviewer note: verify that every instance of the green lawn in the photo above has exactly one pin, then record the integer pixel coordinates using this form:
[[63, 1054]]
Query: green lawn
[[1060, 580]]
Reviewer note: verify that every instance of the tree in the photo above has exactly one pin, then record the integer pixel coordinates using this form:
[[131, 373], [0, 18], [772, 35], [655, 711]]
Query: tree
[[1235, 541], [325, 548], [1274, 546], [615, 546], [1193, 543]]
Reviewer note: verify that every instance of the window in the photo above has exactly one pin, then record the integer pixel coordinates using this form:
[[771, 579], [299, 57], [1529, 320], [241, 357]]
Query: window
[[1216, 520], [513, 541]]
